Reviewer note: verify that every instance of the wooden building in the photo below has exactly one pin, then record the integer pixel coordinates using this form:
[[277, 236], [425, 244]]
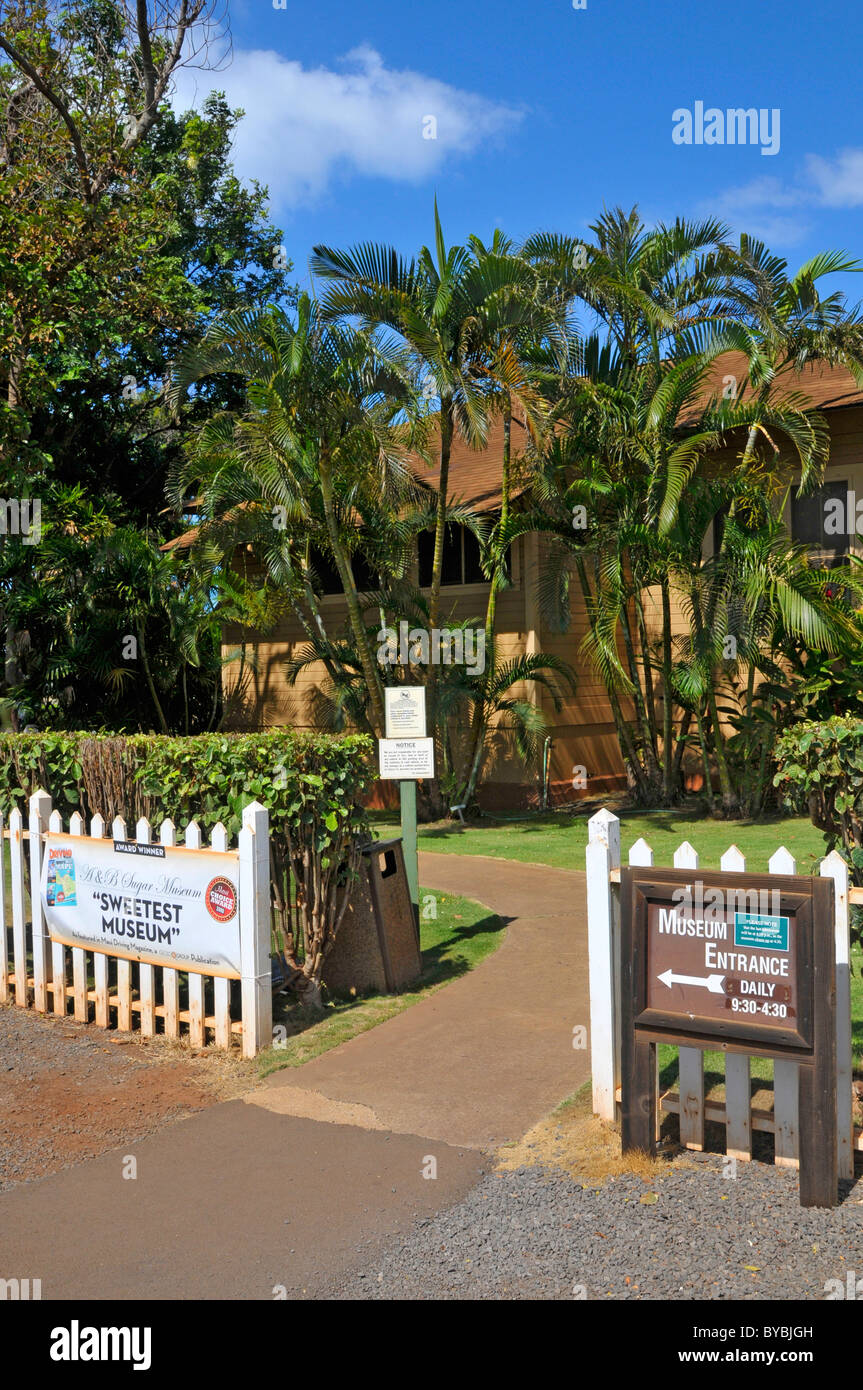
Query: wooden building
[[582, 733]]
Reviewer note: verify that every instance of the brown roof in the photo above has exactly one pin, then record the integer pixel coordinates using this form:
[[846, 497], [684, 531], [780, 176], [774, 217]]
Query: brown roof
[[474, 474], [823, 387]]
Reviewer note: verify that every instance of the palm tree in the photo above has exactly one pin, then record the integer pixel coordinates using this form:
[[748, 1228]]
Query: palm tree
[[449, 308], [781, 324], [320, 430]]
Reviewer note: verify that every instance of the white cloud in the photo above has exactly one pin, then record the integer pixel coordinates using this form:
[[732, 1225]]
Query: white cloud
[[781, 212], [304, 128], [839, 182]]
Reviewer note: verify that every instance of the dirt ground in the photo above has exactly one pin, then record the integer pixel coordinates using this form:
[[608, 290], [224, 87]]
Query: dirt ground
[[71, 1091]]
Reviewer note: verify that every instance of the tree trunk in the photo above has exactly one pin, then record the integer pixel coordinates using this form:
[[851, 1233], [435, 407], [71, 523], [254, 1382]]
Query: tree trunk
[[163, 723], [668, 784], [479, 722], [370, 671]]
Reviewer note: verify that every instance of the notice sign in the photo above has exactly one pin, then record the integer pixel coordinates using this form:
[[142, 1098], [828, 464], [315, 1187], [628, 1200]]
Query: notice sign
[[406, 759], [405, 711], [152, 903]]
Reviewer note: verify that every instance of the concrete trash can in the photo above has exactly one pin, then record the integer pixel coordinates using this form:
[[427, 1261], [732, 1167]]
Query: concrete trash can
[[377, 947]]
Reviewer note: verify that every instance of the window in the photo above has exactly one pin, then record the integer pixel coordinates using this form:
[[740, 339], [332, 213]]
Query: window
[[327, 576], [460, 557], [828, 544]]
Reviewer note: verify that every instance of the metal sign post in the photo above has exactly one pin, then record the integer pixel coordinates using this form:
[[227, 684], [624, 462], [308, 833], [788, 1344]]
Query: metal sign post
[[404, 756]]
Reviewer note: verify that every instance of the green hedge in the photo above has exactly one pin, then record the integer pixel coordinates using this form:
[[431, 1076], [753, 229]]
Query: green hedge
[[311, 784], [208, 776]]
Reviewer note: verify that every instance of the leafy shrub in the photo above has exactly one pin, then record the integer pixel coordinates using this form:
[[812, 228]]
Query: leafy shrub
[[820, 766], [311, 784]]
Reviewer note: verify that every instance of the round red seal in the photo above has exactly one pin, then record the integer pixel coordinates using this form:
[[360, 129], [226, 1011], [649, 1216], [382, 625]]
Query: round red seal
[[221, 899]]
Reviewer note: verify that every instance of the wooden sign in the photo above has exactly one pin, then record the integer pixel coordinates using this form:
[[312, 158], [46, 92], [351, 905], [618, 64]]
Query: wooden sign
[[734, 962]]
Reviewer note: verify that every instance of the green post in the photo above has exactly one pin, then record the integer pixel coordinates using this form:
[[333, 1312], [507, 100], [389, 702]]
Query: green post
[[408, 798]]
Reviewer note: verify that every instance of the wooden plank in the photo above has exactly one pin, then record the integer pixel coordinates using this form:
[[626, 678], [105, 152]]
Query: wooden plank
[[19, 912], [58, 950], [221, 987], [714, 1110], [637, 1054], [170, 978], [124, 995], [146, 973], [817, 1143], [786, 1111], [100, 994], [40, 813], [256, 986], [733, 861], [738, 1106], [197, 1036], [100, 960], [79, 985], [81, 1003], [641, 856], [691, 1065], [685, 856], [58, 977], [602, 856], [785, 1073], [691, 1059], [4, 936], [834, 867]]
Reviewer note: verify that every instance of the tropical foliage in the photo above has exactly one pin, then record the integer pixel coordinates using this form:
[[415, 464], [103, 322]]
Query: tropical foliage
[[214, 451]]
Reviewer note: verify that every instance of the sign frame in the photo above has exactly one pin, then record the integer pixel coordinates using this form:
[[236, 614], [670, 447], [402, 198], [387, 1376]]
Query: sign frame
[[811, 1043]]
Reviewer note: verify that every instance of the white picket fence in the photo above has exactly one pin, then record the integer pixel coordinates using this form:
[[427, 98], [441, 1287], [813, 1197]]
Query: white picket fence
[[125, 992], [737, 1114]]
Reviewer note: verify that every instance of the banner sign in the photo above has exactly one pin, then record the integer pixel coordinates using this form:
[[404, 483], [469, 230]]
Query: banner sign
[[157, 904]]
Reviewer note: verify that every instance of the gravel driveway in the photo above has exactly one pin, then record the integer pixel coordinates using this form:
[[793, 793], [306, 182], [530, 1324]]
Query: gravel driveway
[[534, 1233]]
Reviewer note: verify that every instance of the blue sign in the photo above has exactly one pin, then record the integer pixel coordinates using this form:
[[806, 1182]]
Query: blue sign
[[761, 931]]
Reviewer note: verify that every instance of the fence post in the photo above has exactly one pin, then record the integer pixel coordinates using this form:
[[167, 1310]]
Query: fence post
[[786, 1078], [40, 810], [834, 867], [257, 995], [603, 855]]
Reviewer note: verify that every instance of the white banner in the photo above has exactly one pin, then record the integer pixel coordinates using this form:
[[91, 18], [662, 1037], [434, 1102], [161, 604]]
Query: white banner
[[151, 903]]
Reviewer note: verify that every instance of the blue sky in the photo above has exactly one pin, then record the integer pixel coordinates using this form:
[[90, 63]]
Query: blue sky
[[544, 113]]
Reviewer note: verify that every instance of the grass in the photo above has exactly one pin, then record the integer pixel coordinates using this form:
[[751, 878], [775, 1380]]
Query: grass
[[560, 840], [462, 935], [574, 1139]]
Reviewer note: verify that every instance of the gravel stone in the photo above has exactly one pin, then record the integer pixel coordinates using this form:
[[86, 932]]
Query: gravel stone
[[534, 1233]]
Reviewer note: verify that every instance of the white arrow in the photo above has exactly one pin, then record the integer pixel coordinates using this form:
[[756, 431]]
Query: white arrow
[[713, 982]]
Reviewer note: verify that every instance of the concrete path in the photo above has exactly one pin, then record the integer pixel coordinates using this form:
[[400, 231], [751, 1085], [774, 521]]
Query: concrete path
[[481, 1061], [295, 1184]]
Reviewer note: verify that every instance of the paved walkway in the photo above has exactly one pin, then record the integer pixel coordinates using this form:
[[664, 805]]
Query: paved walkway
[[481, 1061], [296, 1183]]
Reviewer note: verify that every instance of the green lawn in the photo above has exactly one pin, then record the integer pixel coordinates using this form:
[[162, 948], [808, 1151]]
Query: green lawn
[[462, 935], [560, 841]]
